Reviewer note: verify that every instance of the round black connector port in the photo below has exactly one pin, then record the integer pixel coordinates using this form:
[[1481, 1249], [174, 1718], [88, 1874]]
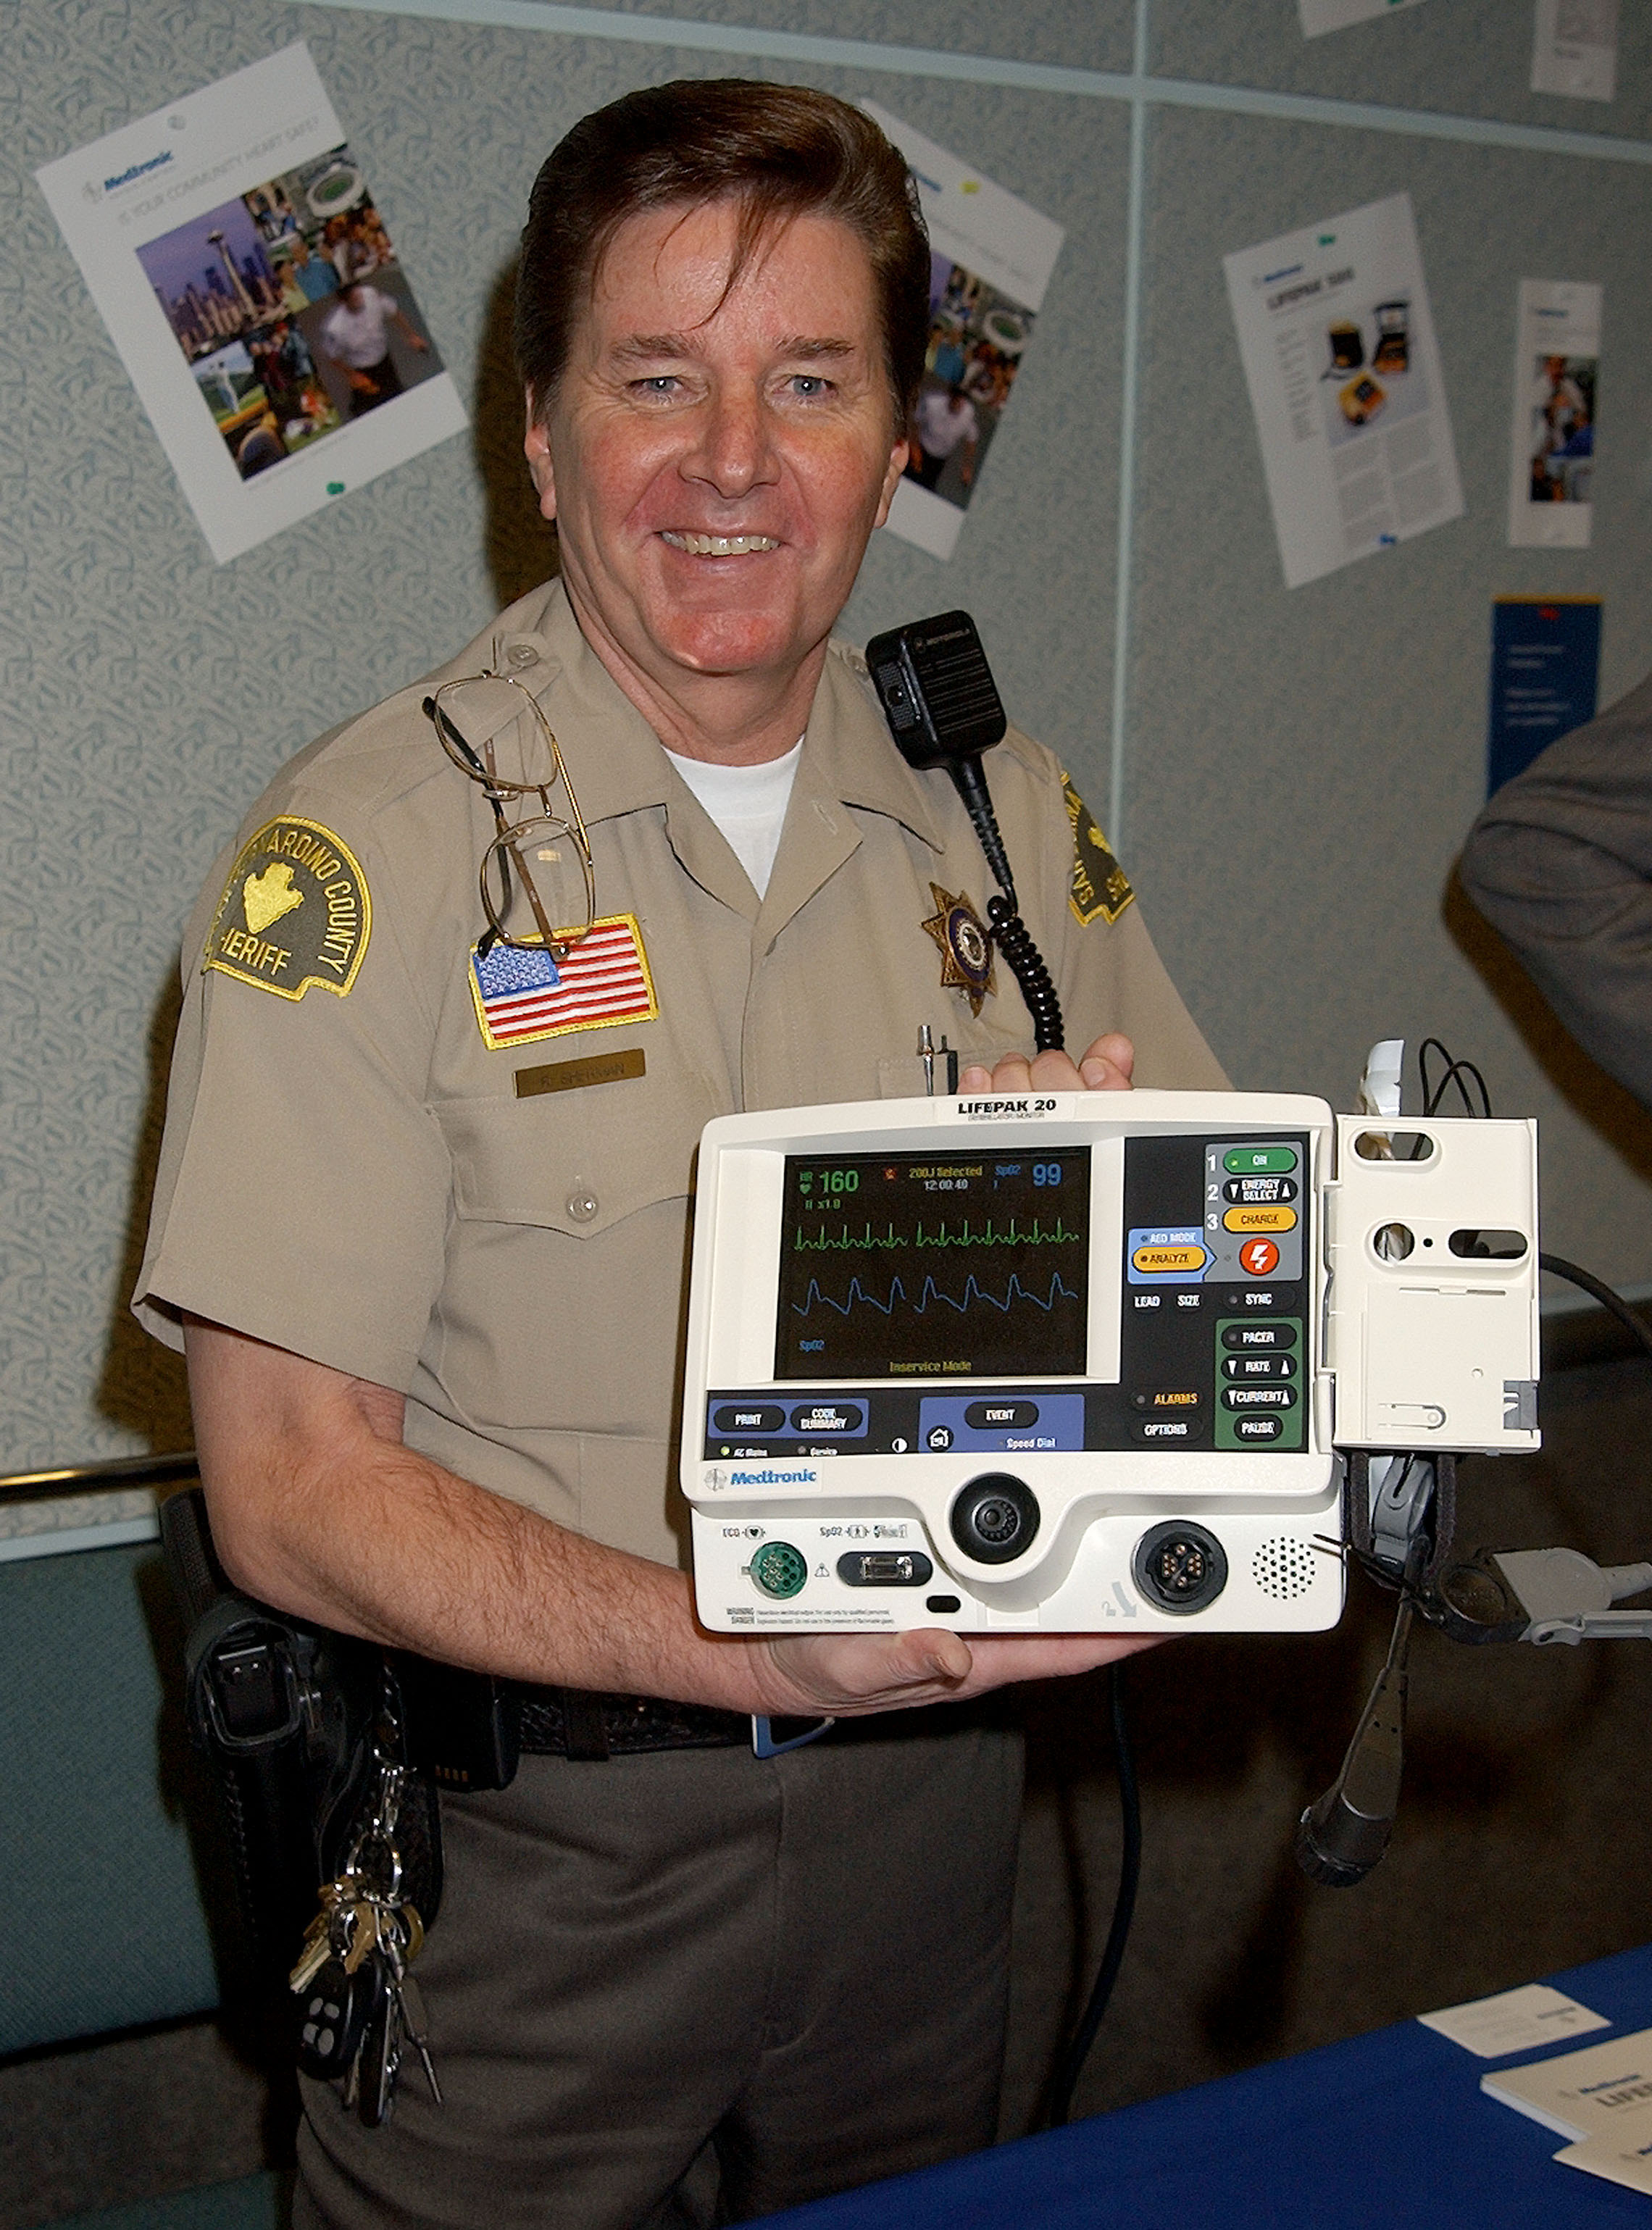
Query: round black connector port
[[995, 1518], [1180, 1566]]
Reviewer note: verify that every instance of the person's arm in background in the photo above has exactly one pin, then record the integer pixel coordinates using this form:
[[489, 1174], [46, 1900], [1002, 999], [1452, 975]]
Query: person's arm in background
[[1561, 863]]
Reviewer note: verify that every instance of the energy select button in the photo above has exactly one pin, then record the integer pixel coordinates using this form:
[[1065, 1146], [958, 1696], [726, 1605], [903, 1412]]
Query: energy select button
[[1251, 1161], [757, 1417], [1002, 1416], [828, 1417], [1259, 1397], [1258, 1428], [1254, 1218]]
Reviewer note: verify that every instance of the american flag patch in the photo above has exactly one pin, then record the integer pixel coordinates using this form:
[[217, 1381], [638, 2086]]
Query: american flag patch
[[522, 994]]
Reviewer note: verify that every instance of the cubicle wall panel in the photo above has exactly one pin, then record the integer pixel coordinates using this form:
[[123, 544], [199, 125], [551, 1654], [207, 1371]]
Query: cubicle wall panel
[[1304, 763], [106, 1830], [1462, 57], [1099, 35], [151, 693]]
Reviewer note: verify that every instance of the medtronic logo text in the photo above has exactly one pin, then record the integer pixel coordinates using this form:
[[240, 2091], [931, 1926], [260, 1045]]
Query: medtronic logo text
[[772, 1477], [138, 170]]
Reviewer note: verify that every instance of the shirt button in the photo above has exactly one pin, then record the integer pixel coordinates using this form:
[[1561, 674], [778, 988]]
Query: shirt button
[[582, 1204], [521, 654]]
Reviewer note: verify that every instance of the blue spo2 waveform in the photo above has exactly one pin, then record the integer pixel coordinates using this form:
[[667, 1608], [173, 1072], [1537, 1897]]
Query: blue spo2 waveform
[[925, 1265]]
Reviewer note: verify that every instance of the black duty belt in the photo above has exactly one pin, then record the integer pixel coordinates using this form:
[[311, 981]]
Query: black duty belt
[[578, 1723]]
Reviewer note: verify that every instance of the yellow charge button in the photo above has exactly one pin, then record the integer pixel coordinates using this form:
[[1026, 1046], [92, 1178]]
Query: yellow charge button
[[1260, 1218], [1164, 1261]]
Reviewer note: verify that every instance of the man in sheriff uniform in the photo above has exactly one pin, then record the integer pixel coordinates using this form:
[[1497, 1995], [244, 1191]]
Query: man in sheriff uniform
[[420, 1218]]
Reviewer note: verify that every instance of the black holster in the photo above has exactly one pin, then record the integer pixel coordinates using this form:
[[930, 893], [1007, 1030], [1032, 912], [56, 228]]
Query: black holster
[[289, 1715]]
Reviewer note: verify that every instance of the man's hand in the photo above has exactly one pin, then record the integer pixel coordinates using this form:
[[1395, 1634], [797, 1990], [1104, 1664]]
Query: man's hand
[[852, 1675], [1103, 1067]]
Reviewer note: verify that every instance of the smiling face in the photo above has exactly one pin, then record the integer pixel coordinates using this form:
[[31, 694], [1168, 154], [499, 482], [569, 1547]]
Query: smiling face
[[715, 459]]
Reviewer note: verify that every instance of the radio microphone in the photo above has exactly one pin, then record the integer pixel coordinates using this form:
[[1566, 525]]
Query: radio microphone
[[1340, 1839]]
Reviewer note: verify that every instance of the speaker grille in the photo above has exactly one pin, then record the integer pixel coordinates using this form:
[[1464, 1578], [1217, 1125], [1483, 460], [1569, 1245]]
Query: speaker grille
[[1284, 1569]]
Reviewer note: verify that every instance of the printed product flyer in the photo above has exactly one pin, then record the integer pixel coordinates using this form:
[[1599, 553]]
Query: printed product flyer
[[1552, 446], [234, 248], [1339, 355]]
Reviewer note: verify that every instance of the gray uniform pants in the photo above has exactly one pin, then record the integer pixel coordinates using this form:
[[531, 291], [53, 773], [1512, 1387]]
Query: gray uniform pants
[[694, 1986]]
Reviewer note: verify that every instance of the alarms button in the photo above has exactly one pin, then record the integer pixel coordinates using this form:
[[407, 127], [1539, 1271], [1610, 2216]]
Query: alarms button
[[1260, 1218], [738, 1417], [986, 1416]]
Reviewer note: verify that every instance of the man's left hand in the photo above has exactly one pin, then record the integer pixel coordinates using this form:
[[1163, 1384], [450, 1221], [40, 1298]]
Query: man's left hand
[[1103, 1067]]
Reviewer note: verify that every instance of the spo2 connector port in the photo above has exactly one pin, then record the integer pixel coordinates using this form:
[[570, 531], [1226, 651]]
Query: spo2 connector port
[[1180, 1567]]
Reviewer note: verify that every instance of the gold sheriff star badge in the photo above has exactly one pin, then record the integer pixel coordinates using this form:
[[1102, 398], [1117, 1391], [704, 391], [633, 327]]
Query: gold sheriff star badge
[[965, 944]]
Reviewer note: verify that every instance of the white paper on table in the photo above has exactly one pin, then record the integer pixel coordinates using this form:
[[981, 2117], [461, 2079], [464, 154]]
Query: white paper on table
[[1551, 439], [1591, 2093], [1514, 2021], [997, 251], [1574, 48], [162, 187], [1344, 371], [1622, 2156], [1319, 16]]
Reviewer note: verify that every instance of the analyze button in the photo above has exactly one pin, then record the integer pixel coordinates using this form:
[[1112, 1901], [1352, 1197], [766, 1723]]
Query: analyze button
[[1162, 1261], [1260, 1218]]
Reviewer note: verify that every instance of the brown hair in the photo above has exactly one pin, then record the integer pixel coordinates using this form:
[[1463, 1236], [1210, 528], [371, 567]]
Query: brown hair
[[780, 151]]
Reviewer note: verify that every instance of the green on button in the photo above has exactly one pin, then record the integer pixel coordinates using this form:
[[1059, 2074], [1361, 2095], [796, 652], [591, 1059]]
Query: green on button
[[1246, 1161]]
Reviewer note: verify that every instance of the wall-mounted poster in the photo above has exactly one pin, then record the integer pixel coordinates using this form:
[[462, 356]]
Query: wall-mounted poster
[[1574, 48], [254, 293], [1551, 447], [1339, 355], [991, 259], [1317, 16]]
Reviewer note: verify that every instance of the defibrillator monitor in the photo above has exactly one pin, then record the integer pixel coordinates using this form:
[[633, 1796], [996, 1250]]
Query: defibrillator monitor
[[1060, 1362]]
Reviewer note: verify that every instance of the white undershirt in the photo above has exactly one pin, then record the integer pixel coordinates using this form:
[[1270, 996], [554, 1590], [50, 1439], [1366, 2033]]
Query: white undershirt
[[748, 803]]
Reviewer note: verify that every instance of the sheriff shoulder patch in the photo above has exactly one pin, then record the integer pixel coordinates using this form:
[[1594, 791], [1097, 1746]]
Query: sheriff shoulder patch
[[1100, 885], [294, 911]]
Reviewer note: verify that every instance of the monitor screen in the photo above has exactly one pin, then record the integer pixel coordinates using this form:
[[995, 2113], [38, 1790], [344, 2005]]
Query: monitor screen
[[934, 1264]]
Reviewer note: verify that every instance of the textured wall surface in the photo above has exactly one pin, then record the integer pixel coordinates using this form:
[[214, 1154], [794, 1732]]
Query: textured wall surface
[[1300, 767]]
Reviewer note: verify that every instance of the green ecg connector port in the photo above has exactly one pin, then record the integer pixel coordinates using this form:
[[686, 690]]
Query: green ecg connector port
[[779, 1570]]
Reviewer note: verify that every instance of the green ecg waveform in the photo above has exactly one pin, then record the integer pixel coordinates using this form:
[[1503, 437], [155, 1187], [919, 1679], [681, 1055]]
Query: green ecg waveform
[[850, 1242]]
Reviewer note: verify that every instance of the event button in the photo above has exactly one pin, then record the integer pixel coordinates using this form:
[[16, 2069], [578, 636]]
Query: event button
[[1257, 1429], [734, 1418], [1164, 1261], [828, 1417], [1245, 1161], [1259, 1397], [986, 1416]]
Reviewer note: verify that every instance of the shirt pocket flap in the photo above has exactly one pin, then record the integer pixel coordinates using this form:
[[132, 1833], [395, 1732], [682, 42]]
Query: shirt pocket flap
[[575, 1163]]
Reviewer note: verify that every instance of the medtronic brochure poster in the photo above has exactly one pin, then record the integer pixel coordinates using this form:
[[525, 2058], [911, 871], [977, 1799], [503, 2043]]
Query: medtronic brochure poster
[[991, 258], [1339, 355], [1544, 678], [232, 244], [1551, 447]]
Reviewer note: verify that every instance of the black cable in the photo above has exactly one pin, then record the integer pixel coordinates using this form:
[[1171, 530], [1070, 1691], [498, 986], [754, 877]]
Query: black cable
[[1453, 1073], [1598, 1289], [1124, 1906], [1026, 963]]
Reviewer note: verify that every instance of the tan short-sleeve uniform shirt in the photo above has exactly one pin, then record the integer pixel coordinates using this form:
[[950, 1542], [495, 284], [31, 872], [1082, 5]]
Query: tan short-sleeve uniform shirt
[[352, 1173]]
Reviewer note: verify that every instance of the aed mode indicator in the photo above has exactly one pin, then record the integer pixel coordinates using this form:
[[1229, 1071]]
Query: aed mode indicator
[[933, 1266]]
